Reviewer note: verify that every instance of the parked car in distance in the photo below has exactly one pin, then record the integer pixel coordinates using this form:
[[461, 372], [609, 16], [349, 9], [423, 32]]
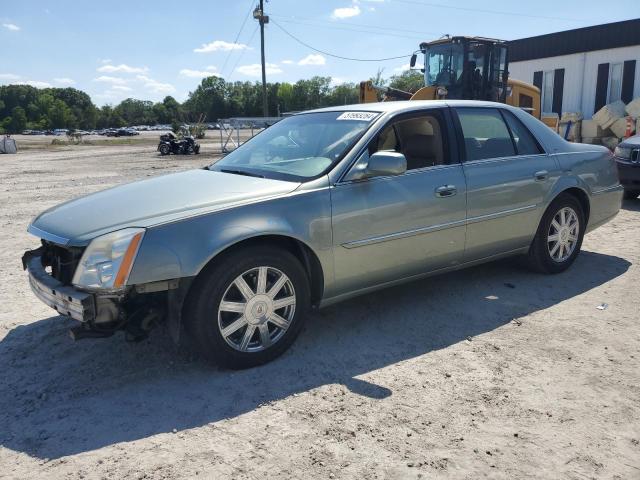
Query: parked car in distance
[[126, 132], [627, 155], [318, 208]]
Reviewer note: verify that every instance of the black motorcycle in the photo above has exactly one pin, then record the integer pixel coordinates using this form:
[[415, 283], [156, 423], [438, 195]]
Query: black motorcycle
[[170, 144]]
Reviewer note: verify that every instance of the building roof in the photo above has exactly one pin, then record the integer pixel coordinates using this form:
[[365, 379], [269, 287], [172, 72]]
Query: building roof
[[587, 39]]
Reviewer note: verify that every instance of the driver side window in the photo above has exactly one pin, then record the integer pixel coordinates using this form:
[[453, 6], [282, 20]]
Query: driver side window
[[420, 139]]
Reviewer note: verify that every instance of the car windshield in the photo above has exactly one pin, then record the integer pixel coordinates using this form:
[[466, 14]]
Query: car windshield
[[298, 147]]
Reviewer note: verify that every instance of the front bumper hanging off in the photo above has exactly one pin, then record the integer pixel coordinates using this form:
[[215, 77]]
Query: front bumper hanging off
[[66, 300]]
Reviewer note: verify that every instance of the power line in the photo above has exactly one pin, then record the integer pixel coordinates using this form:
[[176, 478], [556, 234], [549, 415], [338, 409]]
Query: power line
[[334, 55], [237, 36], [298, 22], [492, 12], [377, 28]]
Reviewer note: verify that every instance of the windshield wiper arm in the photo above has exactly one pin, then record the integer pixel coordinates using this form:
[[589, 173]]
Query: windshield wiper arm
[[241, 172]]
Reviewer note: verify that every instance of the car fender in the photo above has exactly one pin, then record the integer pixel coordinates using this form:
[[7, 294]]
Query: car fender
[[183, 248]]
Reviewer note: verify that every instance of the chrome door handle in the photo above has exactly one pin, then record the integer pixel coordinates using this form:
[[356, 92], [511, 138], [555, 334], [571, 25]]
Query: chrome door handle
[[541, 175], [446, 191]]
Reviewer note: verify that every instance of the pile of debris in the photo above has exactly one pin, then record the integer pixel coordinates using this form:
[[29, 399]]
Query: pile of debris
[[612, 123]]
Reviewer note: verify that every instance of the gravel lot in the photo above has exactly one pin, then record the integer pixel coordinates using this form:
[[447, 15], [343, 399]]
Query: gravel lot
[[489, 372]]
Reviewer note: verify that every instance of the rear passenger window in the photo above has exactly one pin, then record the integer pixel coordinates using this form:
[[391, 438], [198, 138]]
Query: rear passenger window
[[525, 143], [485, 134]]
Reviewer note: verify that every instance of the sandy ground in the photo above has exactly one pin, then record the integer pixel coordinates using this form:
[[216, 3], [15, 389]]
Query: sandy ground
[[491, 372]]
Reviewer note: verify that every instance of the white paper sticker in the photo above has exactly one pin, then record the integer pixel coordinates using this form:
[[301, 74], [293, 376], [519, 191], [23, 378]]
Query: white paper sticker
[[362, 116]]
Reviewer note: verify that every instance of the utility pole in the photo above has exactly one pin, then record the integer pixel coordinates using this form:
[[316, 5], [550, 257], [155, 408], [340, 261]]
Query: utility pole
[[259, 15]]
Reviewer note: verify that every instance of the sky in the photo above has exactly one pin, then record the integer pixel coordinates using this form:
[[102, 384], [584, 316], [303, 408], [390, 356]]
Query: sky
[[149, 49]]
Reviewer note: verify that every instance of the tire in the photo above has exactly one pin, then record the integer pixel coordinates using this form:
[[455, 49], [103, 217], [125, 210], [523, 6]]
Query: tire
[[541, 258], [631, 194], [250, 336], [196, 149], [164, 149]]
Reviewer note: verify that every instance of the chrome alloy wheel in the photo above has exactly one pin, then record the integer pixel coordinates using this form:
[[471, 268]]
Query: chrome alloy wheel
[[563, 234], [256, 309]]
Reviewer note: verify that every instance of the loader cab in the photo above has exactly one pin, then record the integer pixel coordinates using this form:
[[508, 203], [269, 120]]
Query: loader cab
[[470, 68]]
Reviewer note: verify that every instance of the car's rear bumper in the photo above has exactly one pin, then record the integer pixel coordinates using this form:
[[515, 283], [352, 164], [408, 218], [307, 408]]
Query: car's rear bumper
[[66, 300]]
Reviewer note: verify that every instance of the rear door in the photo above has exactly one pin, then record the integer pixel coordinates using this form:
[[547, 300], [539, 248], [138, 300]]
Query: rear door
[[508, 176], [388, 228]]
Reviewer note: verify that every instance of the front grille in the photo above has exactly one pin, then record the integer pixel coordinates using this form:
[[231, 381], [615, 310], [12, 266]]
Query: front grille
[[635, 155], [62, 260]]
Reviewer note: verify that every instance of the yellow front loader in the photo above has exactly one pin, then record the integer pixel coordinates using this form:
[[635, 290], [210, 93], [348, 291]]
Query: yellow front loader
[[463, 68]]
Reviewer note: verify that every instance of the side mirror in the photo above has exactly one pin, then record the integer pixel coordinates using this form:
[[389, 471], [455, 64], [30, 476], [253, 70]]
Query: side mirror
[[412, 62], [380, 164]]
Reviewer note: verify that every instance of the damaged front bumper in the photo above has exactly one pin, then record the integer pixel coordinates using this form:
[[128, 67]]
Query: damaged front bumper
[[67, 300]]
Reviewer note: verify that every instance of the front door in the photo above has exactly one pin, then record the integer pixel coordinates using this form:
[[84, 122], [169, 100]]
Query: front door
[[388, 228]]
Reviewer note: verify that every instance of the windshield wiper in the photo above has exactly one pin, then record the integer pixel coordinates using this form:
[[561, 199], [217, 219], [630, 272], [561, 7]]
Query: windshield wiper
[[241, 172]]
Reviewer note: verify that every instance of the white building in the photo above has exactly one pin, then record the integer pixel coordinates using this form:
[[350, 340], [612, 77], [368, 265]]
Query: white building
[[581, 70]]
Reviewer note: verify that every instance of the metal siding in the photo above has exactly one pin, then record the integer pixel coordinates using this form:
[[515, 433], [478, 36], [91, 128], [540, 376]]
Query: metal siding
[[581, 70], [572, 65], [588, 39]]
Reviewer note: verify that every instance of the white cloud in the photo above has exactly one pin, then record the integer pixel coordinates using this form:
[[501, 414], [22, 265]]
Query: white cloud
[[402, 68], [313, 59], [210, 71], [65, 81], [338, 81], [219, 46], [35, 83], [287, 62], [108, 79], [11, 26], [346, 12], [121, 88], [105, 60], [122, 68], [255, 69], [154, 86], [9, 76]]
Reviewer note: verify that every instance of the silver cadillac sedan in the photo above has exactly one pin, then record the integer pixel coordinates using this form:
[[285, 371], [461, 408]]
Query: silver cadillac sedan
[[320, 207]]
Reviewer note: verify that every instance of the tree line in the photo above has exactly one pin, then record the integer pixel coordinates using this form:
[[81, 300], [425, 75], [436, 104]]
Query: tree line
[[25, 107]]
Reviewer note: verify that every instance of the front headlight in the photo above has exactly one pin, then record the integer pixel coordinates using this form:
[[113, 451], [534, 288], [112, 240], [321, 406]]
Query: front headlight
[[623, 152], [107, 261]]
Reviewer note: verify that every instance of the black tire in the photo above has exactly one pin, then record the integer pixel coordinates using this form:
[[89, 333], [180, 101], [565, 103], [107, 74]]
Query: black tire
[[631, 194], [201, 314], [539, 256], [164, 149], [196, 149]]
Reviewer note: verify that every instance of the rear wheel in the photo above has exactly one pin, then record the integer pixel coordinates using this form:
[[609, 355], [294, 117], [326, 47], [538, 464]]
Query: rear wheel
[[559, 237], [631, 194], [164, 149], [248, 308]]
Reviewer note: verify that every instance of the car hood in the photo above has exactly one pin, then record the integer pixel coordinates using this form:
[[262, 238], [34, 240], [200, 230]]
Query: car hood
[[150, 202], [631, 141]]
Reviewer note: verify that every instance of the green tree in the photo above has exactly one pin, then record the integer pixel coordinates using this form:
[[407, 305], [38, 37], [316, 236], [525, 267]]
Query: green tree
[[18, 120], [409, 81]]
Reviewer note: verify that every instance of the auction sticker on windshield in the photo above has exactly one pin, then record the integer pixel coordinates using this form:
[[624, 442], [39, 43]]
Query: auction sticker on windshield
[[366, 116]]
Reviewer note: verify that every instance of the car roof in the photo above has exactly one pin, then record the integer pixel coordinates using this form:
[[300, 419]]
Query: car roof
[[406, 105]]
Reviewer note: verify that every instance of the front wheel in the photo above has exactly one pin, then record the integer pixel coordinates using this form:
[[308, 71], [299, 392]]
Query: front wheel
[[164, 149], [249, 307], [559, 237]]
